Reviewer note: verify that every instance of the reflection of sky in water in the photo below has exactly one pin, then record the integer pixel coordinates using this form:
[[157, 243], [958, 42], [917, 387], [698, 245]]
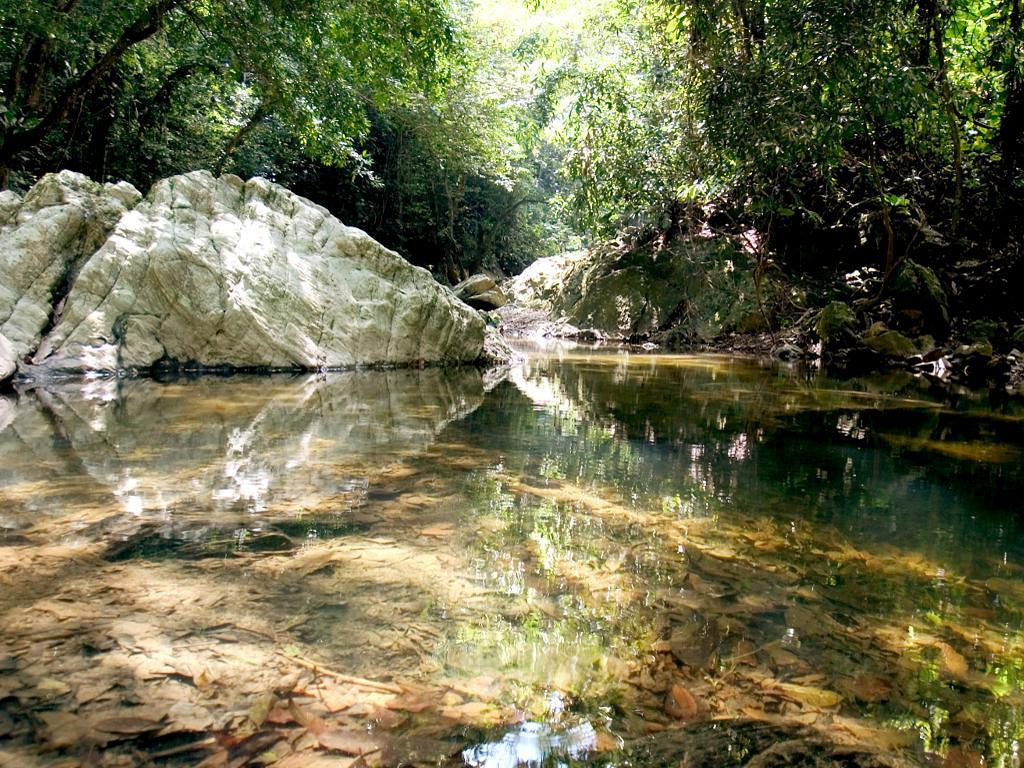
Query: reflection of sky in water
[[531, 745]]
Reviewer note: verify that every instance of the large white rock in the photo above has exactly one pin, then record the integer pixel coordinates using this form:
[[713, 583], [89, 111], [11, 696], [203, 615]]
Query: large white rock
[[8, 358], [225, 272], [44, 240]]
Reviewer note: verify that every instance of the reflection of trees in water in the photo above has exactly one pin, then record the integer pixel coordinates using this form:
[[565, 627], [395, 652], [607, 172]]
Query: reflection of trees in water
[[872, 457]]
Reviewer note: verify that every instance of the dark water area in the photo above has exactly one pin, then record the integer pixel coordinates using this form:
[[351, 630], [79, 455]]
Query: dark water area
[[597, 559]]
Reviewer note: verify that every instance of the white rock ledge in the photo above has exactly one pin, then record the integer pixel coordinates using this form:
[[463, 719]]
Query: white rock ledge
[[210, 273]]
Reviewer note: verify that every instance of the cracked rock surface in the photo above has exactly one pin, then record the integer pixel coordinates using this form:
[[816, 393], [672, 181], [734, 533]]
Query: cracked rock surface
[[45, 239], [211, 271]]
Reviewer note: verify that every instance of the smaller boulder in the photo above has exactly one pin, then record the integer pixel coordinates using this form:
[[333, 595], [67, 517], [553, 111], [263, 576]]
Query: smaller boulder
[[473, 285], [919, 299], [979, 350], [787, 353], [492, 299], [983, 330], [496, 348], [480, 292], [836, 325], [889, 343]]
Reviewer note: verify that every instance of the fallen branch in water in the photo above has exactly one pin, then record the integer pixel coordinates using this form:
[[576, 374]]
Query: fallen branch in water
[[359, 681]]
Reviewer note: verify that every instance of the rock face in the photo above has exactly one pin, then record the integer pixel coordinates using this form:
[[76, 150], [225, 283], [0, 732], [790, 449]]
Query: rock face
[[8, 358], [215, 272], [480, 292], [44, 241], [693, 291]]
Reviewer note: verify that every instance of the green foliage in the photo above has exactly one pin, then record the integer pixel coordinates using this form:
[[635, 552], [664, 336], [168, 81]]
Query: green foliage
[[229, 65], [838, 132], [422, 98], [486, 133]]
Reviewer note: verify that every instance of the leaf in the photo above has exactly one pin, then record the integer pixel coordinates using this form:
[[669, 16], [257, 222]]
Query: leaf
[[409, 703], [261, 708], [952, 663], [680, 704], [67, 730], [186, 716], [809, 695], [313, 723], [870, 688], [203, 677], [959, 757], [438, 531], [127, 725], [52, 687]]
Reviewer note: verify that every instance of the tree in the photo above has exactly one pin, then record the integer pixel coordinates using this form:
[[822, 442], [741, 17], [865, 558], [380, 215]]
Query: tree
[[313, 66]]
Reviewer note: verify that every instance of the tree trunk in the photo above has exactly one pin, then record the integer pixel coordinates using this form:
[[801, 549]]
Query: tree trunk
[[952, 120], [1011, 127], [239, 137]]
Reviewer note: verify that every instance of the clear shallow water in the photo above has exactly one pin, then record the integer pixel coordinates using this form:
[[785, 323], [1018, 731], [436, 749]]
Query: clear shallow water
[[603, 559]]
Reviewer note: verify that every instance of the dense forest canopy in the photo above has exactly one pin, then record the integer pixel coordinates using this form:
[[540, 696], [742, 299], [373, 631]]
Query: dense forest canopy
[[483, 135]]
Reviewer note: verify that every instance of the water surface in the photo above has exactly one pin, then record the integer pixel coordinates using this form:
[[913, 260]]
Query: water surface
[[603, 559]]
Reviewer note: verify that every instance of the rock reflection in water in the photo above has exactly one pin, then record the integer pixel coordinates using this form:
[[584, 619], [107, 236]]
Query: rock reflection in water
[[241, 449]]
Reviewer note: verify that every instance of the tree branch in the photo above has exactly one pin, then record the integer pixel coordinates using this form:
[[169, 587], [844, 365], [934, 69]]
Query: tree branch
[[143, 28]]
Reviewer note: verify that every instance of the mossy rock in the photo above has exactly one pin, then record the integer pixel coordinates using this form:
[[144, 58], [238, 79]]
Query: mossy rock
[[982, 330], [836, 323], [920, 298], [982, 349], [890, 343]]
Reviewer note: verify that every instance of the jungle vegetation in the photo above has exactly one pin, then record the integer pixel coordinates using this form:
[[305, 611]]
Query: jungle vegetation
[[482, 135]]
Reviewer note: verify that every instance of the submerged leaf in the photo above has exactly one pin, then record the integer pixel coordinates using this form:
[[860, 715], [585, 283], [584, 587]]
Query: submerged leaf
[[680, 703], [809, 695], [951, 662]]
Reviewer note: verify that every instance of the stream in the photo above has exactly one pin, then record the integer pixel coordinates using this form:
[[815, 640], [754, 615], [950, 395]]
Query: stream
[[595, 558]]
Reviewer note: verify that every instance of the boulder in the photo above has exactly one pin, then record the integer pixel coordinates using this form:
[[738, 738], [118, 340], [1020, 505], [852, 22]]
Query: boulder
[[221, 272], [836, 326], [889, 343], [919, 300], [45, 239], [693, 291], [473, 285], [480, 292], [492, 299], [10, 202]]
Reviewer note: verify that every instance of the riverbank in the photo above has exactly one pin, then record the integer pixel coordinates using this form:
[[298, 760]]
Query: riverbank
[[704, 295]]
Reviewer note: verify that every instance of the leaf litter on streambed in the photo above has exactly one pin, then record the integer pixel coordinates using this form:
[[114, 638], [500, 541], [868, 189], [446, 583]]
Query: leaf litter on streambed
[[229, 661]]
